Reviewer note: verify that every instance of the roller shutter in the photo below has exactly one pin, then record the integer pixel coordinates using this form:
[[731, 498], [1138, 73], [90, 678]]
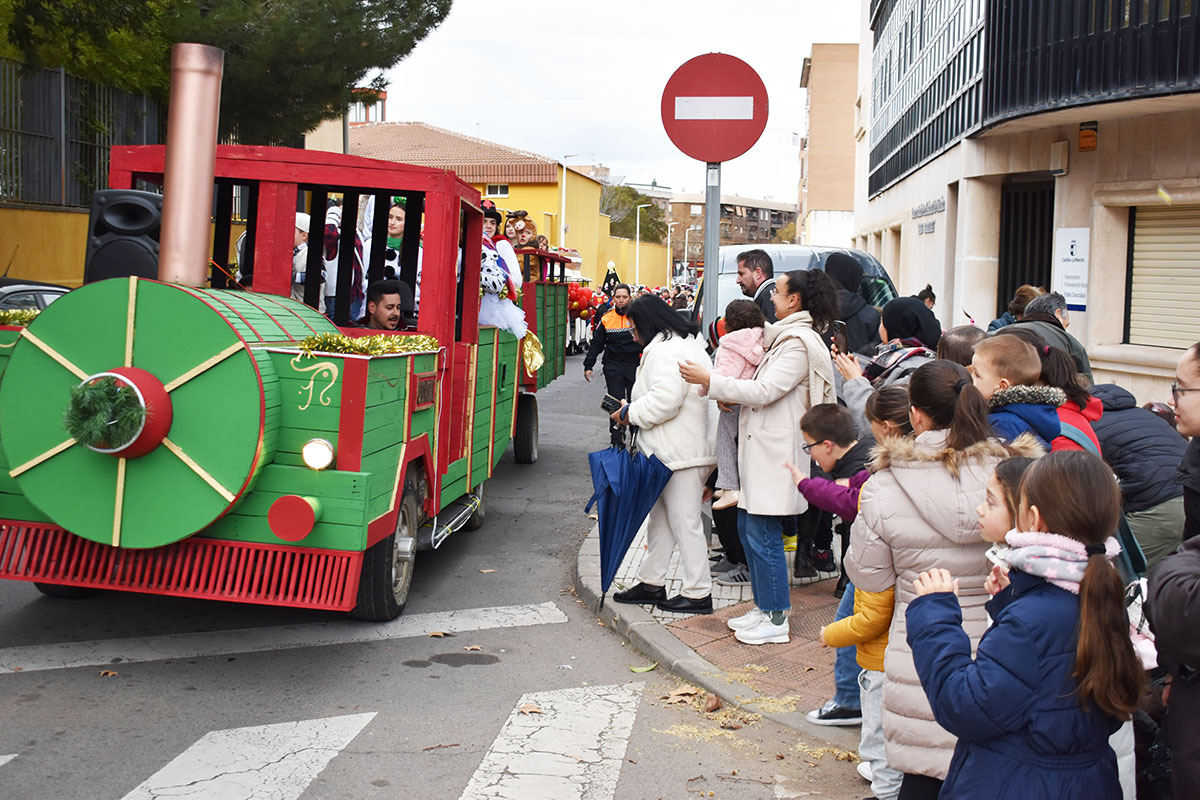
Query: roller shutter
[[1164, 298]]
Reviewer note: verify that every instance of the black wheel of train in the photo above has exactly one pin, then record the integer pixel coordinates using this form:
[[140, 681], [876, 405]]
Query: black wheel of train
[[525, 438], [387, 568]]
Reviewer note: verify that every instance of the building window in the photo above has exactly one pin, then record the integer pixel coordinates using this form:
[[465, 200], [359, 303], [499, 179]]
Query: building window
[[496, 190], [1164, 276], [697, 210]]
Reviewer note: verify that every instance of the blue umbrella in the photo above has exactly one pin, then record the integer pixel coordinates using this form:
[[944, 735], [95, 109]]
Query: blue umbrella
[[626, 488]]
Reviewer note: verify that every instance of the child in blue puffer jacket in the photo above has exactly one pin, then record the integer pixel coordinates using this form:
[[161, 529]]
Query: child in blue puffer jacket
[[1056, 673]]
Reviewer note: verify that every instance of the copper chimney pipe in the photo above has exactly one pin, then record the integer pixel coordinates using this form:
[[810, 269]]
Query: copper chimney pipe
[[186, 234]]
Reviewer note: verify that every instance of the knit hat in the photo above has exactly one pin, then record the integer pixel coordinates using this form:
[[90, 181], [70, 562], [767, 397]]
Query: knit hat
[[908, 318], [845, 271]]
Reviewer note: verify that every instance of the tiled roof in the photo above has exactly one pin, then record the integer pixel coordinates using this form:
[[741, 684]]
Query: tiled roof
[[474, 160], [736, 200]]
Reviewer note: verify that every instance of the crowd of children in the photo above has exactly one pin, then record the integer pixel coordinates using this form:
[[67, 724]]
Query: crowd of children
[[984, 640]]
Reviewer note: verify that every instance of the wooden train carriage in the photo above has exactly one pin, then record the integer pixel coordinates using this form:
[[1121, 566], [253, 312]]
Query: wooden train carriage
[[235, 500]]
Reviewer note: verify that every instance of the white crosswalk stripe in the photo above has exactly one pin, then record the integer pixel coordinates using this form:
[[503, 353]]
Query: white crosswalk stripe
[[256, 640], [560, 745], [5, 759], [264, 762]]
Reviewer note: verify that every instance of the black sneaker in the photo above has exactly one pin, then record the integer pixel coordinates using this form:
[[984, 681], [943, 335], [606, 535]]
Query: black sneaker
[[823, 560], [833, 714]]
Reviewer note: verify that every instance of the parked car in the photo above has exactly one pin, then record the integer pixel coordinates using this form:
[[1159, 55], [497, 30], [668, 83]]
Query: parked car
[[877, 288], [35, 295]]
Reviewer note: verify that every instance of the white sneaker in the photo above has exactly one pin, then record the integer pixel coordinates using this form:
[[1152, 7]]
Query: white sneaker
[[765, 632], [747, 620], [864, 769]]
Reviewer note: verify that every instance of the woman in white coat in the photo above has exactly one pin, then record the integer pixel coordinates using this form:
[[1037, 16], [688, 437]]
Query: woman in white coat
[[680, 427], [795, 374]]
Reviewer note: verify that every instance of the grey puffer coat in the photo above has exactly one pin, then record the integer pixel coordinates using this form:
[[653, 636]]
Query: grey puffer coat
[[917, 512]]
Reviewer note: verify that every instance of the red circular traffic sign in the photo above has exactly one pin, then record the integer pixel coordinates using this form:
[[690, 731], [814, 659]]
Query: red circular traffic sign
[[714, 107]]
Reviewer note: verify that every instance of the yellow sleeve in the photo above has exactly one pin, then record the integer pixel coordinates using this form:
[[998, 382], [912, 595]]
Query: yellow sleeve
[[871, 619]]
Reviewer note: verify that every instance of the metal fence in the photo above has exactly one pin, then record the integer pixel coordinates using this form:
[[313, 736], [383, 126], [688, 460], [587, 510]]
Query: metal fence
[[56, 131]]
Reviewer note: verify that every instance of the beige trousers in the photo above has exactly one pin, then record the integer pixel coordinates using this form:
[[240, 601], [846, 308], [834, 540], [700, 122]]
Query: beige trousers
[[674, 524]]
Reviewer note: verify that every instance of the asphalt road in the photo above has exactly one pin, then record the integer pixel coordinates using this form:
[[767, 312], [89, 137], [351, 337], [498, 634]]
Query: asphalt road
[[531, 698]]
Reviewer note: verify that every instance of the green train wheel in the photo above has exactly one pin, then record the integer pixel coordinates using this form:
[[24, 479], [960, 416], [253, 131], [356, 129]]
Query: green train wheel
[[221, 398]]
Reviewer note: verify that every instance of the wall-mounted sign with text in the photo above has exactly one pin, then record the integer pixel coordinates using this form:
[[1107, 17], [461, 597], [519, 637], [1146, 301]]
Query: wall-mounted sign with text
[[1070, 278]]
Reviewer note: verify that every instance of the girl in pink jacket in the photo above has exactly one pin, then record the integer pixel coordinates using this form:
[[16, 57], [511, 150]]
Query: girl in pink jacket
[[738, 356]]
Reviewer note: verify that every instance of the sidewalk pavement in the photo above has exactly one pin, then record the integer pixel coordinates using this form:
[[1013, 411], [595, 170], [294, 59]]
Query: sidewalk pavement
[[780, 681]]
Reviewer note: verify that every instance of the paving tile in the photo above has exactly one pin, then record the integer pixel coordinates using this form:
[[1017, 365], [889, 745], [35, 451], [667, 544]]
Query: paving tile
[[692, 638]]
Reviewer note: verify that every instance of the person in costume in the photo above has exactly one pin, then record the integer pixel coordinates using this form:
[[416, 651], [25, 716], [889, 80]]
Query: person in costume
[[499, 288]]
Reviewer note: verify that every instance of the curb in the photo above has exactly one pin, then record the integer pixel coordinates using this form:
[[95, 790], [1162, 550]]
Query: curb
[[652, 639]]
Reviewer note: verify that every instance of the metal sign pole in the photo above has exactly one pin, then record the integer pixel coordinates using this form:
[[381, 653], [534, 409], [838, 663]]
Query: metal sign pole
[[712, 241]]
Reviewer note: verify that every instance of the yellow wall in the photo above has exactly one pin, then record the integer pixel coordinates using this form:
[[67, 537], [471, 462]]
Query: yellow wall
[[543, 202], [44, 245], [654, 264]]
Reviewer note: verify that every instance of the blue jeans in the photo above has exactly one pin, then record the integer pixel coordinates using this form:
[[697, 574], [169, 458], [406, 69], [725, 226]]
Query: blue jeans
[[845, 666], [762, 538]]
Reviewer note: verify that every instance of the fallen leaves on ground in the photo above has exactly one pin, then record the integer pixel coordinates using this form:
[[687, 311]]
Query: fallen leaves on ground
[[530, 708], [486, 571], [838, 753], [645, 668], [474, 648], [439, 635], [593, 516], [108, 673], [712, 703], [438, 747]]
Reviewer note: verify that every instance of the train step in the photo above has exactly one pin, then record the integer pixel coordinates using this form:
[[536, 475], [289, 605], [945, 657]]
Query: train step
[[451, 518]]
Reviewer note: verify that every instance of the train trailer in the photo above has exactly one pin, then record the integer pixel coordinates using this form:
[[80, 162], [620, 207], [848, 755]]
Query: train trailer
[[256, 449]]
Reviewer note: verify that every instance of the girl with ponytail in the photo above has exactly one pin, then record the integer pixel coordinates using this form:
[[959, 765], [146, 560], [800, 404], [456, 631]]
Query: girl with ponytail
[[1056, 673], [917, 512]]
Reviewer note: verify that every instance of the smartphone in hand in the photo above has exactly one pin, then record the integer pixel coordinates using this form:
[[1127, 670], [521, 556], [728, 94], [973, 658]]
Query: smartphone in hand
[[839, 336], [610, 403]]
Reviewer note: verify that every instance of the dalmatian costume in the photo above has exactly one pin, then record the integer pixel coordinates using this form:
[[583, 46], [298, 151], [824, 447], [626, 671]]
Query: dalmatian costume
[[498, 286]]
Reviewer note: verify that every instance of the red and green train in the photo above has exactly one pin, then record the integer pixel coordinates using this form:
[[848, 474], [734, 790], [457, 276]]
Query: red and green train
[[283, 459]]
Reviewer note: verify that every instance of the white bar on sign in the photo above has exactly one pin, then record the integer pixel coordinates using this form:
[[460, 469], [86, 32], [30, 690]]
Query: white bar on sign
[[714, 108]]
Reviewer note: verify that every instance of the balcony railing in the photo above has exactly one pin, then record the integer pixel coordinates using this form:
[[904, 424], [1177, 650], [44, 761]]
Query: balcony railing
[[1042, 56]]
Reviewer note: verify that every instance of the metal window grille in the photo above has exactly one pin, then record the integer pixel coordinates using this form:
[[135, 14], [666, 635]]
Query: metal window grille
[[56, 130]]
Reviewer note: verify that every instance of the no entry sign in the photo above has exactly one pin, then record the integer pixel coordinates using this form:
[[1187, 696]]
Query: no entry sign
[[714, 107]]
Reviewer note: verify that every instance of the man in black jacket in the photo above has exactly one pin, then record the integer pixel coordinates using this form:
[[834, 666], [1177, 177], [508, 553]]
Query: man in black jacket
[[1144, 451], [862, 320], [756, 276], [614, 337], [1048, 315]]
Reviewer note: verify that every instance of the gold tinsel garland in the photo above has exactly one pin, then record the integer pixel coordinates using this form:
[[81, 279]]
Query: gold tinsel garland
[[18, 316], [378, 345]]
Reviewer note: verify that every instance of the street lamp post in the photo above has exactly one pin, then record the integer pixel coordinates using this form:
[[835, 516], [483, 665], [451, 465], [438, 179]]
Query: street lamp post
[[562, 212], [637, 244], [685, 243], [670, 256]]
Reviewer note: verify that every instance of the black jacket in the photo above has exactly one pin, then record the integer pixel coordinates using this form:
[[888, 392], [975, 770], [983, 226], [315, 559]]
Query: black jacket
[[762, 296], [862, 322], [613, 337], [1141, 447], [1189, 477]]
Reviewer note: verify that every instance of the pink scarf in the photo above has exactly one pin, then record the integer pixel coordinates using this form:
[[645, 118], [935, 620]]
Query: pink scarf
[[1059, 559]]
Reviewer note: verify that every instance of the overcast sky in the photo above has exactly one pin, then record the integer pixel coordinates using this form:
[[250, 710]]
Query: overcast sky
[[561, 76]]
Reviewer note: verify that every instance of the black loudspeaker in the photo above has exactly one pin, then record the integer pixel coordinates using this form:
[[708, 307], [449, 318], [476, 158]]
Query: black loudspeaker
[[123, 235]]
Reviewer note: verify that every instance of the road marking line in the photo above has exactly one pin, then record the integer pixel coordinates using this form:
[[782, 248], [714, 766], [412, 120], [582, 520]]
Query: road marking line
[[256, 640], [714, 108], [571, 747], [263, 762], [5, 759]]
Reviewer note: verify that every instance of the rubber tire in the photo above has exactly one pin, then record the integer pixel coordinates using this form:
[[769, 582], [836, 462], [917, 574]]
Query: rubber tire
[[380, 597], [65, 592], [477, 519], [525, 438]]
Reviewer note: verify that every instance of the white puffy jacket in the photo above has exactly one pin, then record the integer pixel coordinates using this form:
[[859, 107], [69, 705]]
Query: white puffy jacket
[[674, 422]]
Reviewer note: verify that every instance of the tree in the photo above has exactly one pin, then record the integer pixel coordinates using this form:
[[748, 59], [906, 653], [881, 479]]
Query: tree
[[289, 64], [620, 204], [786, 234]]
